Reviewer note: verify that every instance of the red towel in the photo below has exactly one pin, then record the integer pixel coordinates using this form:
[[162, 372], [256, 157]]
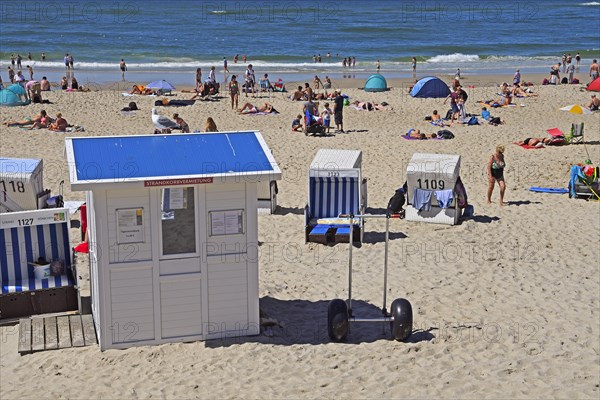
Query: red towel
[[526, 146], [81, 247]]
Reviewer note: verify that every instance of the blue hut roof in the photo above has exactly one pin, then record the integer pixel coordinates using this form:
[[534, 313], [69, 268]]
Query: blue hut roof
[[152, 158]]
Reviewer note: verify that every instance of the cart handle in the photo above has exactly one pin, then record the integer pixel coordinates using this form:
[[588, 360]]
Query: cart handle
[[366, 216]]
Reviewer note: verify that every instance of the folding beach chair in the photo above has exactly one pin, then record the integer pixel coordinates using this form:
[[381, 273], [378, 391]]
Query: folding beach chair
[[576, 134]]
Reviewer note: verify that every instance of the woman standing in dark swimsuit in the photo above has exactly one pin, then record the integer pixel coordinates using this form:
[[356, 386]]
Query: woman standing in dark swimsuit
[[495, 170]]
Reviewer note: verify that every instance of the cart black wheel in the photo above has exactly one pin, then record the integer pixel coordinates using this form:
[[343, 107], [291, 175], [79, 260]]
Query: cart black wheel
[[403, 319], [337, 320]]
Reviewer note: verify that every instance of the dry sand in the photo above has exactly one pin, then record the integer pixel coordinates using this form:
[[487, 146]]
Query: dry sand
[[506, 304]]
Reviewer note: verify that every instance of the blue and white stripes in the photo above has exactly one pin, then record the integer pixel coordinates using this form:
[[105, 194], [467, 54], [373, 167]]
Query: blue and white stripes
[[23, 245], [332, 196]]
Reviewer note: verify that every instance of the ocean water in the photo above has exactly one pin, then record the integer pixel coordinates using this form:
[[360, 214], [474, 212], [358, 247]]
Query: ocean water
[[280, 37]]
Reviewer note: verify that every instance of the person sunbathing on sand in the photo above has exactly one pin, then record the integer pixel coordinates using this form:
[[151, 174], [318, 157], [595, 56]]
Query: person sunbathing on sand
[[534, 142], [368, 105], [60, 124], [518, 91], [140, 89], [249, 108], [27, 121], [416, 134]]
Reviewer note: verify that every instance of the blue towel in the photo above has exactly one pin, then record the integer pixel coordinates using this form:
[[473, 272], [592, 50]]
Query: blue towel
[[575, 170], [444, 197], [422, 199]]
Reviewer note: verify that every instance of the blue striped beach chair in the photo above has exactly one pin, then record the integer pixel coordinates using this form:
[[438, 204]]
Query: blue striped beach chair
[[335, 186], [24, 238]]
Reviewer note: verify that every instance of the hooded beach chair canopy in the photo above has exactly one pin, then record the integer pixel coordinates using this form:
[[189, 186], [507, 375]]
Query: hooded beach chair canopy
[[376, 83], [14, 95], [430, 87]]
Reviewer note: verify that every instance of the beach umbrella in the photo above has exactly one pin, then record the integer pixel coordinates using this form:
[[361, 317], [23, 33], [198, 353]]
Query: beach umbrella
[[576, 109], [160, 85]]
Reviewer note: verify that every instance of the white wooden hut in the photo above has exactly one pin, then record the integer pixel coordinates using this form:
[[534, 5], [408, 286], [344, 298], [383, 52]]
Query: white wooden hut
[[172, 223]]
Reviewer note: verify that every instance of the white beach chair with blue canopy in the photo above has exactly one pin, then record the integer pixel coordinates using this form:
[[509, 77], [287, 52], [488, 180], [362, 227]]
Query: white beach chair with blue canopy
[[335, 186]]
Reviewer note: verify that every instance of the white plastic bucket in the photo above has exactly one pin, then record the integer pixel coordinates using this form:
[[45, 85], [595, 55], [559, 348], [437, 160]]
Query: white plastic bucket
[[41, 271]]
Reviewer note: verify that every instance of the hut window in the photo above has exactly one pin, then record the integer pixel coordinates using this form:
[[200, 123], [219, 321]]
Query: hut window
[[178, 219]]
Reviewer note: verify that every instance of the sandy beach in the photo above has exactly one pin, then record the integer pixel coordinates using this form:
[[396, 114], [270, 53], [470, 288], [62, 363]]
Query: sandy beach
[[506, 304]]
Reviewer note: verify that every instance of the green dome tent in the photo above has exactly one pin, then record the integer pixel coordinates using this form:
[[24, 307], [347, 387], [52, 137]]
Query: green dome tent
[[376, 83], [14, 95]]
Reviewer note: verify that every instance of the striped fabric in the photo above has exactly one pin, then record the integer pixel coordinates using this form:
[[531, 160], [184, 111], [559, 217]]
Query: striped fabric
[[19, 246], [330, 197]]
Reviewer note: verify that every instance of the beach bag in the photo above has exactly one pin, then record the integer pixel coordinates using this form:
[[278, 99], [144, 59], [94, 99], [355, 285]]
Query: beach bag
[[564, 81], [449, 114], [473, 121], [495, 120], [545, 81], [445, 134], [575, 81], [397, 201]]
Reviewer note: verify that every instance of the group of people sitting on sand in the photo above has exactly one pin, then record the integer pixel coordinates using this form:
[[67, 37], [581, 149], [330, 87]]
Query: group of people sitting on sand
[[42, 121]]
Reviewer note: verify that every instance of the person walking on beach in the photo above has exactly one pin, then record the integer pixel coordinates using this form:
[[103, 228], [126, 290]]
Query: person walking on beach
[[225, 69], [198, 80], [517, 78], [30, 72], [12, 60], [578, 60], [414, 64], [594, 70], [19, 58], [378, 65], [123, 67], [235, 58], [338, 111], [11, 74], [250, 80], [71, 62], [495, 172], [234, 92], [66, 60], [570, 72], [43, 56]]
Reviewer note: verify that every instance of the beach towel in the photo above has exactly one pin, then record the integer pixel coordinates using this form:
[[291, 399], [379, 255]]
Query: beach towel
[[526, 146], [548, 190]]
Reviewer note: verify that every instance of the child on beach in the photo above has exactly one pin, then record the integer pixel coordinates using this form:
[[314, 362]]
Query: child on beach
[[326, 116], [297, 124], [210, 125], [185, 128]]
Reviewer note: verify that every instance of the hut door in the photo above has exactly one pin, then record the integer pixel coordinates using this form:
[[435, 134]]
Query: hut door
[[179, 265]]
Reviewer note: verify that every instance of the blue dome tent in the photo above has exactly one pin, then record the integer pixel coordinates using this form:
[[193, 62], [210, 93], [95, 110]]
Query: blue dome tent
[[430, 87], [14, 95], [376, 83]]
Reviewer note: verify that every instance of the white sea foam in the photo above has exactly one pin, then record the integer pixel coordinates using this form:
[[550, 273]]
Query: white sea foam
[[591, 3], [454, 58]]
